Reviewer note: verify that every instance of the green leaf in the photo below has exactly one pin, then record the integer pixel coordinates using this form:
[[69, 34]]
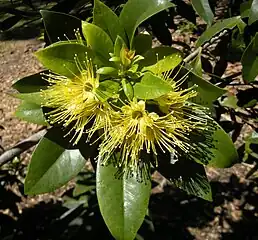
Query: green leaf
[[207, 92], [99, 41], [250, 60], [228, 23], [229, 101], [202, 7], [31, 112], [161, 59], [108, 89], [253, 14], [119, 44], [107, 71], [52, 165], [60, 57], [142, 43], [106, 19], [151, 87], [34, 97], [135, 12], [128, 89], [187, 175], [245, 8], [29, 88], [123, 201], [32, 83], [60, 26], [224, 152]]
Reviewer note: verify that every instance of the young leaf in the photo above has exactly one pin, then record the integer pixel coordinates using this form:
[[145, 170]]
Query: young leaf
[[161, 59], [123, 201], [186, 175], [52, 165], [60, 57], [99, 41], [250, 60], [142, 43], [228, 23], [151, 87], [60, 26], [31, 112], [135, 12], [106, 19], [253, 14], [202, 7]]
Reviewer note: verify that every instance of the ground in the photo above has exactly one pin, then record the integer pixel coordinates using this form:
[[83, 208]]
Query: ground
[[232, 215]]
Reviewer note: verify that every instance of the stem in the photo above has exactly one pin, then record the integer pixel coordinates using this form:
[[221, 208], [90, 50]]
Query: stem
[[21, 147]]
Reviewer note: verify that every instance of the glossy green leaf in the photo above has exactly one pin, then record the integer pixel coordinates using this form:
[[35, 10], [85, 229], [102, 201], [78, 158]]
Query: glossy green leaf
[[60, 57], [34, 97], [161, 59], [29, 88], [186, 175], [135, 12], [123, 201], [31, 112], [99, 41], [52, 165], [245, 8], [224, 152], [142, 43], [128, 89], [60, 26], [250, 60], [207, 92], [29, 84], [253, 14], [107, 71], [108, 89], [106, 19], [151, 87], [202, 7], [215, 29]]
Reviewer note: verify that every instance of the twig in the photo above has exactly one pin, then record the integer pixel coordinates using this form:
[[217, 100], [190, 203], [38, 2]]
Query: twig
[[21, 147], [192, 55]]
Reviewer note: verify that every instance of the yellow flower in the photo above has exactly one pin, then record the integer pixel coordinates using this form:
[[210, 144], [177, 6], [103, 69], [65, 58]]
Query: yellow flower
[[75, 102], [168, 127]]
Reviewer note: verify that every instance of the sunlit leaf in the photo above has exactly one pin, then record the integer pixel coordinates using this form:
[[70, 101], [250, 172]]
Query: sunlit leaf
[[106, 19], [228, 23], [151, 87], [60, 57], [31, 112], [202, 7], [123, 201], [135, 12], [52, 165]]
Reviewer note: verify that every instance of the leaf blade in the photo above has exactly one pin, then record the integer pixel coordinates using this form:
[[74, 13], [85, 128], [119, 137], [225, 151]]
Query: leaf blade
[[51, 166], [135, 12], [202, 7], [123, 206]]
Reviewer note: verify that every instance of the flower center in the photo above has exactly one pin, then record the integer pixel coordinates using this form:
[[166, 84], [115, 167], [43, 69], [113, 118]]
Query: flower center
[[88, 87], [137, 114]]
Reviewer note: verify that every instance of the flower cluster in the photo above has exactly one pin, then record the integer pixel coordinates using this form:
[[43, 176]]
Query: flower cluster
[[127, 128]]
